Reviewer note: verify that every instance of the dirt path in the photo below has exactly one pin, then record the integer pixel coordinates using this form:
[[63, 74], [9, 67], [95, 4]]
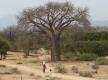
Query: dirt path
[[40, 73]]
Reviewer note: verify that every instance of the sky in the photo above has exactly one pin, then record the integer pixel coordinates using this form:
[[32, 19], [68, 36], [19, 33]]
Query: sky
[[98, 9]]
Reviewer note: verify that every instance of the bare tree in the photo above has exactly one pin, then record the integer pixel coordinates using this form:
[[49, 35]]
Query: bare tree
[[10, 32], [52, 19], [26, 42]]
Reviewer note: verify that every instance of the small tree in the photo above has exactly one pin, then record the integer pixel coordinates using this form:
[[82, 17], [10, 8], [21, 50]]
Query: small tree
[[4, 47], [52, 19], [10, 32], [26, 42]]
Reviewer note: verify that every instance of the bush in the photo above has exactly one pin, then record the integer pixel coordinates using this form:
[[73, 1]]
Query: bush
[[60, 68], [70, 55], [102, 35], [89, 42], [98, 47], [95, 66], [80, 56], [75, 69], [87, 57], [86, 74], [15, 71], [4, 47], [4, 44], [102, 61]]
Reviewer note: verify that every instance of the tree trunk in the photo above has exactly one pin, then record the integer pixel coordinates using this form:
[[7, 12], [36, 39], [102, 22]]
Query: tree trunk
[[1, 56], [26, 53], [55, 48]]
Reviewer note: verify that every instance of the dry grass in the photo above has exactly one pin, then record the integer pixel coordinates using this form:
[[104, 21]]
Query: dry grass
[[95, 66], [86, 74], [80, 68], [15, 71], [75, 69], [60, 68], [19, 63]]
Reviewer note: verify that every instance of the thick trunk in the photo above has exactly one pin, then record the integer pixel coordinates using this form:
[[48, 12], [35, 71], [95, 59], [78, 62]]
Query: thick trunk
[[55, 48]]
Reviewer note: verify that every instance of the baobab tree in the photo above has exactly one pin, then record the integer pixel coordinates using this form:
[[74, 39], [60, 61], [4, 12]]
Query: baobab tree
[[52, 19]]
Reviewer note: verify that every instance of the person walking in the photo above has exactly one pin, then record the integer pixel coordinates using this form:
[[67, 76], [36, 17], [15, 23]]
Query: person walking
[[44, 66]]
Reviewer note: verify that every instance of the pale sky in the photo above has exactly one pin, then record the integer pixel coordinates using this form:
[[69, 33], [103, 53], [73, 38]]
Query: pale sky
[[98, 8]]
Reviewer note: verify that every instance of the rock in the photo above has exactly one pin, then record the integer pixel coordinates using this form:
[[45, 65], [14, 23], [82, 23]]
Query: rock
[[41, 51]]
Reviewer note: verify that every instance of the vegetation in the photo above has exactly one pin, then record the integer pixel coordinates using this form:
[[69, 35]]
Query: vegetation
[[60, 30], [57, 33], [86, 43], [60, 68], [86, 74], [80, 56], [52, 19], [96, 36], [98, 47], [15, 71], [70, 55], [4, 47], [87, 57], [102, 61], [26, 43], [75, 69]]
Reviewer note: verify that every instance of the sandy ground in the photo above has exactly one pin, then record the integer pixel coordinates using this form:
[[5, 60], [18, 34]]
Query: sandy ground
[[44, 75], [31, 69]]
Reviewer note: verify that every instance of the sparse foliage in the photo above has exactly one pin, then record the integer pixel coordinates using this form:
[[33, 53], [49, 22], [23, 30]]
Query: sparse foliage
[[60, 68], [75, 69], [102, 61], [86, 74]]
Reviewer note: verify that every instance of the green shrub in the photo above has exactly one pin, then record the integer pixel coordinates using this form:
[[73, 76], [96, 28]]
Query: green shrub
[[102, 35], [4, 47], [87, 57], [102, 61], [98, 47], [80, 56], [4, 44], [69, 55], [60, 68], [89, 42]]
